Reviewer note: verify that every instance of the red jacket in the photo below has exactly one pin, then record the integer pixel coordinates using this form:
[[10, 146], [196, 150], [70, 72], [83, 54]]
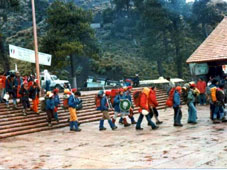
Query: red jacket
[[152, 99], [201, 85], [2, 82], [144, 103]]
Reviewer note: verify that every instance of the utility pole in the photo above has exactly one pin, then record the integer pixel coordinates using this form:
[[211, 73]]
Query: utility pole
[[35, 42]]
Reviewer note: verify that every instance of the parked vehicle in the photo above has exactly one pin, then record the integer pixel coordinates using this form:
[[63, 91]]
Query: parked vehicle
[[54, 83]]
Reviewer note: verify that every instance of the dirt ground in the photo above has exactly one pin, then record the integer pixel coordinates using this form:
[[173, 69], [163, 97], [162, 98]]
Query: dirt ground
[[192, 146]]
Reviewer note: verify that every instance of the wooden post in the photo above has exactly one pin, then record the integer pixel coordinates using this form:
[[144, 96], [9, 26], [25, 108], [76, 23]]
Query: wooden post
[[35, 43]]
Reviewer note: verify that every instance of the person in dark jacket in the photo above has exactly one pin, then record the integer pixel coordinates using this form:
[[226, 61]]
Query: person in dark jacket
[[56, 103], [49, 107], [11, 89], [192, 112], [104, 106], [219, 105], [177, 107], [24, 92], [72, 102], [34, 91], [117, 110], [127, 94]]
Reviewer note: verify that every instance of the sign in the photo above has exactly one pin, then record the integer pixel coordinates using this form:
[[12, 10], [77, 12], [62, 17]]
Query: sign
[[29, 55], [199, 69]]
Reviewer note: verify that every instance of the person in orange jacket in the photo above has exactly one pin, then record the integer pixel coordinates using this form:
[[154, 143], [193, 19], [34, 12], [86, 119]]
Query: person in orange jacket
[[153, 103], [34, 95], [144, 110], [201, 85]]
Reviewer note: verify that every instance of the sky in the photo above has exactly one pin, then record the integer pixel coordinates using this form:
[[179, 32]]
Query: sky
[[194, 0]]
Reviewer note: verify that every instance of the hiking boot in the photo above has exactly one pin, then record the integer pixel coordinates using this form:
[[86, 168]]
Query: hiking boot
[[134, 122], [154, 128], [102, 129], [179, 125], [114, 128], [215, 121], [126, 124], [77, 130], [159, 122], [139, 128]]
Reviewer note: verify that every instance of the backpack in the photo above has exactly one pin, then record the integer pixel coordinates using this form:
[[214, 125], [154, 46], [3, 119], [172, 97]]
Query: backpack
[[97, 101], [43, 105], [169, 101], [112, 96], [136, 98]]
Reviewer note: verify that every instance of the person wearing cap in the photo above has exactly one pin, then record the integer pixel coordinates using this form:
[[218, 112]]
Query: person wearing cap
[[104, 107], [144, 110], [127, 94], [24, 92], [34, 91], [56, 103], [117, 110], [177, 107], [192, 112], [153, 103], [72, 102], [50, 105], [11, 89]]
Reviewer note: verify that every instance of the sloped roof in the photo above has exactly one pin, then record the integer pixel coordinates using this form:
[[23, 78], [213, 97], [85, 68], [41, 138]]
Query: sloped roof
[[214, 48]]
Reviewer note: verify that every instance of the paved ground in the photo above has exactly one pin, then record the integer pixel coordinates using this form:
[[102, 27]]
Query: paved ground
[[193, 146]]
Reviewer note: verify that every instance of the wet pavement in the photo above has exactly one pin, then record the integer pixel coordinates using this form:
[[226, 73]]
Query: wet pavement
[[192, 146]]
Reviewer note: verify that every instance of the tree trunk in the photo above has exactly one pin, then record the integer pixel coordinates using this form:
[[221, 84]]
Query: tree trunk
[[73, 72], [3, 57], [176, 39]]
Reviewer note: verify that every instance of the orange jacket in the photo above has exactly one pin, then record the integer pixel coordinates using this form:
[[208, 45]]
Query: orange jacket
[[152, 99], [201, 85]]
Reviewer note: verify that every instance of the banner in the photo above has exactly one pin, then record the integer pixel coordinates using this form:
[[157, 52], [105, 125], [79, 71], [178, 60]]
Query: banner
[[29, 55]]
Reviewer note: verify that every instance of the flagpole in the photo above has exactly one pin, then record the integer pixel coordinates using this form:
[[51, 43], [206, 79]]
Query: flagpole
[[35, 43]]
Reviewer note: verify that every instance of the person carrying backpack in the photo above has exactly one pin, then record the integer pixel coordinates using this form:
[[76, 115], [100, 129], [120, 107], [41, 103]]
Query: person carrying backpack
[[11, 89], [211, 92], [56, 103], [177, 107], [192, 112], [24, 92], [153, 103], [34, 91], [117, 110], [127, 94], [144, 110], [50, 105], [219, 105], [102, 104], [72, 102]]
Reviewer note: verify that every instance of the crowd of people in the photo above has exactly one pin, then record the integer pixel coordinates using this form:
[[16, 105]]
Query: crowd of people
[[121, 101]]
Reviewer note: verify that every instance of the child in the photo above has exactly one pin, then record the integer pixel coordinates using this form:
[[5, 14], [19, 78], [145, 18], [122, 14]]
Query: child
[[24, 92]]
